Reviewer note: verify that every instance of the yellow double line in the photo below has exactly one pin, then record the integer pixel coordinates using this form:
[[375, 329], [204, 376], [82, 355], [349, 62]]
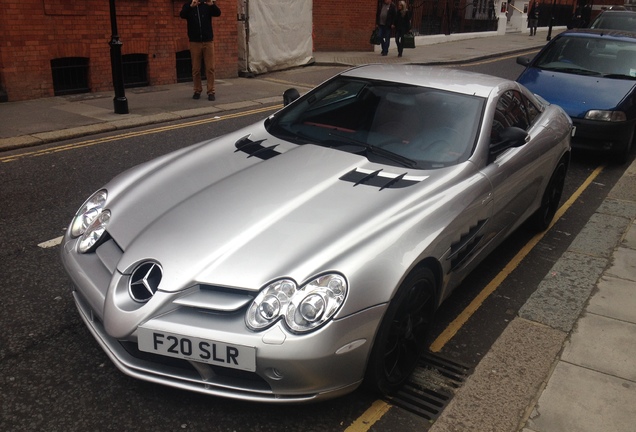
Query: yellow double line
[[92, 142]]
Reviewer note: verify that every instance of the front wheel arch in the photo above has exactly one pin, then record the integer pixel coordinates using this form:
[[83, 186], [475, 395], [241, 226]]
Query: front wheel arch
[[400, 338]]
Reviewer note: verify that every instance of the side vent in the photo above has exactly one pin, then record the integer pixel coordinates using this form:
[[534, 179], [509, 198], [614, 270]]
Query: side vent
[[379, 179], [464, 248], [256, 148]]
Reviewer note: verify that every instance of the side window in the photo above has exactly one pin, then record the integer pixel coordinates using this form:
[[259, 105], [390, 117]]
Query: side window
[[511, 111], [532, 110]]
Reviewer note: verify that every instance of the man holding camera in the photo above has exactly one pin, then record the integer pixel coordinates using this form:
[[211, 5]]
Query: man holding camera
[[200, 34]]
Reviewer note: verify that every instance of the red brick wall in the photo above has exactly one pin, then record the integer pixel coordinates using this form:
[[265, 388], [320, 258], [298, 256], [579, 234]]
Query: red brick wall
[[343, 25], [33, 32]]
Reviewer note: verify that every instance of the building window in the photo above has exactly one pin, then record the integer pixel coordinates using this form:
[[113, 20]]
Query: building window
[[184, 66], [70, 75], [135, 69]]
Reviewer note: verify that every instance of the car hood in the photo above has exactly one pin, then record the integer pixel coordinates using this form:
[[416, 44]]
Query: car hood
[[576, 94], [215, 214]]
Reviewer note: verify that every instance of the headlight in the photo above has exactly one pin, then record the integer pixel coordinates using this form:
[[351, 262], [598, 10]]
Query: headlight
[[604, 115], [303, 309], [89, 211], [94, 232]]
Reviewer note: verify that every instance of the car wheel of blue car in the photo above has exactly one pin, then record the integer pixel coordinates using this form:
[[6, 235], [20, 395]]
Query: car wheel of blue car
[[622, 154], [401, 337]]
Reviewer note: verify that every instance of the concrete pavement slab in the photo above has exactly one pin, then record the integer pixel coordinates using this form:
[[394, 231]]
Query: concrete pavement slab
[[630, 237], [600, 235], [563, 293], [624, 189], [618, 207], [603, 344], [624, 264], [505, 382], [615, 298], [577, 399]]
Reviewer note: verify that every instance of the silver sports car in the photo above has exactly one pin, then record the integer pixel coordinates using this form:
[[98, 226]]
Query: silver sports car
[[299, 257]]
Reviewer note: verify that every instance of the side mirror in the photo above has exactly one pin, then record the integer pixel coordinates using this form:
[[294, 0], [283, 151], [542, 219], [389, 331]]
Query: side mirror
[[510, 137], [290, 95], [523, 60]]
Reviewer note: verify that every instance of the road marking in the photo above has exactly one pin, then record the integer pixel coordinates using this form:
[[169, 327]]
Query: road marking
[[51, 243], [463, 317], [369, 417], [92, 142]]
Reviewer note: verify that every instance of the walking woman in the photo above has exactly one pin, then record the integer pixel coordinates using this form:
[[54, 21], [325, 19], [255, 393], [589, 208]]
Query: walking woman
[[402, 25]]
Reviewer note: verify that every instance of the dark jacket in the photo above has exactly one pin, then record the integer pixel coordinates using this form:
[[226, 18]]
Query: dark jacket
[[390, 17], [402, 23], [200, 21]]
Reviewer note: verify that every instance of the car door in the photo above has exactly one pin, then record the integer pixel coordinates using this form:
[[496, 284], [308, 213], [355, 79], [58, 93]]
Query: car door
[[517, 173]]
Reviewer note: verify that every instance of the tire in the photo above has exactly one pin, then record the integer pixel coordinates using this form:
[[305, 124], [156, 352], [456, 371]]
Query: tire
[[401, 337], [542, 218], [621, 156]]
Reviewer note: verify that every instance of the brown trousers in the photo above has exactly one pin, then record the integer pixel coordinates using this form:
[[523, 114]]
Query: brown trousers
[[205, 51]]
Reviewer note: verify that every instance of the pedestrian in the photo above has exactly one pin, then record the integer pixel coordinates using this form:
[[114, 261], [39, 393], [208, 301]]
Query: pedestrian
[[533, 17], [402, 25], [385, 23], [201, 36]]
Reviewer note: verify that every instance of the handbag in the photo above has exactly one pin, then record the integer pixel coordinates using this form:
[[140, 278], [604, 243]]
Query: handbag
[[408, 40], [375, 38]]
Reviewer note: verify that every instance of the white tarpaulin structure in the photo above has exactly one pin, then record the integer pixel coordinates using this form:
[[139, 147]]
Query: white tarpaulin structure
[[274, 34]]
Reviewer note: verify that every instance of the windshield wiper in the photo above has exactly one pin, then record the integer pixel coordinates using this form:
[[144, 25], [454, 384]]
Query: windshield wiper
[[573, 70], [378, 151], [620, 76]]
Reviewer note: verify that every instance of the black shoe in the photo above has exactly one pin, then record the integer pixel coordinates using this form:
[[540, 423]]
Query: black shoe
[[196, 96], [400, 55], [211, 97]]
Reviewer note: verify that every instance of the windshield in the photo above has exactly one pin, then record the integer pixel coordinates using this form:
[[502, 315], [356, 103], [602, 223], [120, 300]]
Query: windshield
[[615, 21], [594, 56], [390, 123]]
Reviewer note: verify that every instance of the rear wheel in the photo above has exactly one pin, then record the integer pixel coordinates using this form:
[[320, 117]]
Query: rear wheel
[[401, 336], [542, 219]]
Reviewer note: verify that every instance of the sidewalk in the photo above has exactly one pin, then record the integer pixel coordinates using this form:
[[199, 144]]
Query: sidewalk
[[41, 121], [565, 363]]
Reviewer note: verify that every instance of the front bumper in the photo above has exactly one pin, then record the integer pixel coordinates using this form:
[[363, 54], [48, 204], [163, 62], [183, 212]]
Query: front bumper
[[303, 379], [604, 136], [290, 368]]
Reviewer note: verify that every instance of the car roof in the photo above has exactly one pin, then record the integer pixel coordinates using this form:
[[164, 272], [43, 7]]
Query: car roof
[[614, 19], [454, 80]]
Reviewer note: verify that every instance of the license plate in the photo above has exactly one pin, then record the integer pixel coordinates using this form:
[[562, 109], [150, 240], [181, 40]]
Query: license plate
[[196, 349]]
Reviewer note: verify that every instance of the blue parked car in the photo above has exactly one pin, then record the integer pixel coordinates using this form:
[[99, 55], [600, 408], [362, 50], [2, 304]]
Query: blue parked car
[[591, 74]]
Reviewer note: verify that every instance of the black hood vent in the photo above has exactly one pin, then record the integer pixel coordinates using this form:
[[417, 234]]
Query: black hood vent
[[256, 148], [386, 181]]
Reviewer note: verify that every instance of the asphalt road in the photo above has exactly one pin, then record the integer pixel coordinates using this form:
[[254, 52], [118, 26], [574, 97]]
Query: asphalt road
[[53, 376]]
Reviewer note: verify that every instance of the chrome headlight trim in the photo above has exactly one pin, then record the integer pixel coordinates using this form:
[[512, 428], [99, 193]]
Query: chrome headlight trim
[[88, 212], [94, 232], [303, 309]]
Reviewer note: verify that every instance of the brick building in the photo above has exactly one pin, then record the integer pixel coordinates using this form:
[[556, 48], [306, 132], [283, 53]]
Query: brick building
[[57, 47]]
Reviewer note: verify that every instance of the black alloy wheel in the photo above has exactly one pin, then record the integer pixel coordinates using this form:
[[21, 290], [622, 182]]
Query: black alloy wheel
[[401, 337]]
